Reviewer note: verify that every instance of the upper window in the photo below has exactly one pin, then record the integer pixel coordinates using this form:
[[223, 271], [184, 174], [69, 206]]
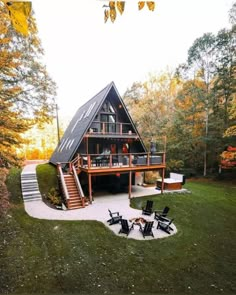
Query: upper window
[[107, 108]]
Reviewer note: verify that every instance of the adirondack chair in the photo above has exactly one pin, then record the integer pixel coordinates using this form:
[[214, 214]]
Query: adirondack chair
[[115, 217], [125, 228], [147, 229], [162, 215], [147, 210], [165, 226]]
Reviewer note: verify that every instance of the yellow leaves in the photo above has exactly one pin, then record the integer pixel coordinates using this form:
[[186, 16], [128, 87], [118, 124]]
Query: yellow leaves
[[106, 15], [120, 6], [141, 5], [19, 13], [111, 12], [150, 4]]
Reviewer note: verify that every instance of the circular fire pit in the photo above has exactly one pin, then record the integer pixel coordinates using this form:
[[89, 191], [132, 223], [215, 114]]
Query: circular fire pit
[[138, 220]]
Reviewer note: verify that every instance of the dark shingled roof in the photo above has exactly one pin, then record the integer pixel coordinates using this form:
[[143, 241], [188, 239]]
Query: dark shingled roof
[[79, 125]]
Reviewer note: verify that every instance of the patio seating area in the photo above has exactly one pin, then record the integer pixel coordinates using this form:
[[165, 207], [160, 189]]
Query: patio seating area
[[144, 228], [118, 205]]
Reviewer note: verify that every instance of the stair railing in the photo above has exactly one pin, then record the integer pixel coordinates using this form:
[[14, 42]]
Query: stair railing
[[63, 183], [78, 185], [75, 162]]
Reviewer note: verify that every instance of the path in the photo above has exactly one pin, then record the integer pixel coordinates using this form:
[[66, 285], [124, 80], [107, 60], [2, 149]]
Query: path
[[36, 208]]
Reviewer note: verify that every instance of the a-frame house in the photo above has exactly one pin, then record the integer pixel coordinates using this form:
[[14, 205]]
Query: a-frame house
[[101, 148]]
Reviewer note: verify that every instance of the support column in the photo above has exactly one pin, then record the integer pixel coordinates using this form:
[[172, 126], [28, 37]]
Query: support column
[[162, 182], [90, 188], [130, 184], [87, 149]]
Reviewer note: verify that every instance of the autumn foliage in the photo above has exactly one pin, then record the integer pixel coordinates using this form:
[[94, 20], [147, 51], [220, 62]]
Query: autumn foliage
[[114, 6], [26, 90]]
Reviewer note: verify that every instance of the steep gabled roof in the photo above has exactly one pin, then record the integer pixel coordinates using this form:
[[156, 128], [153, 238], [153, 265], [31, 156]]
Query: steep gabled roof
[[80, 123]]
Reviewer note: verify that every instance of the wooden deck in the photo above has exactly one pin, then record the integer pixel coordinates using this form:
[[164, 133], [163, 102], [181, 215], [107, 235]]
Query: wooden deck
[[119, 163], [105, 164], [119, 169]]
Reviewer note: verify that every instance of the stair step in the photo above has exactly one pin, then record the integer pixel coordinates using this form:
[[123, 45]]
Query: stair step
[[31, 199], [74, 201], [72, 192]]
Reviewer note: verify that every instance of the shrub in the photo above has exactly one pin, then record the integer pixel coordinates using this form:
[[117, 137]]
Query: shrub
[[53, 197]]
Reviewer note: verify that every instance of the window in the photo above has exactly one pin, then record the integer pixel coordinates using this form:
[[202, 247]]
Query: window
[[108, 122], [107, 108], [108, 118]]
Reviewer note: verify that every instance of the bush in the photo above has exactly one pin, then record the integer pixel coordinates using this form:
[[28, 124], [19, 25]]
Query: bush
[[174, 165], [150, 177], [53, 197]]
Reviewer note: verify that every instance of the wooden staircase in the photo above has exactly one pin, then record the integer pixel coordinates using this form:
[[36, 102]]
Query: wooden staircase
[[75, 200]]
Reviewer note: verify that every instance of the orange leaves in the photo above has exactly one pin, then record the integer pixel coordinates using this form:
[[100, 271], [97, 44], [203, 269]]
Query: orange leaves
[[141, 4], [120, 6], [112, 6], [111, 12], [150, 4]]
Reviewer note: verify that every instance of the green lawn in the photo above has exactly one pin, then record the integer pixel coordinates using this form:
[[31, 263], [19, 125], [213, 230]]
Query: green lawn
[[84, 257]]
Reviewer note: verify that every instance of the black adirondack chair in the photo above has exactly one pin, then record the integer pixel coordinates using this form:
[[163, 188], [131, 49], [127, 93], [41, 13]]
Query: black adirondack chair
[[125, 228], [147, 210], [115, 217], [147, 229], [165, 226], [162, 215]]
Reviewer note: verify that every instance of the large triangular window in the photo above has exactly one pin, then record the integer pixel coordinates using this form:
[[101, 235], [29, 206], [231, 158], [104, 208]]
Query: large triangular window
[[108, 118]]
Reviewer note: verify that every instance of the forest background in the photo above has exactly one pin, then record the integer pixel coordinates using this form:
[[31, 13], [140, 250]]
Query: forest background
[[192, 107]]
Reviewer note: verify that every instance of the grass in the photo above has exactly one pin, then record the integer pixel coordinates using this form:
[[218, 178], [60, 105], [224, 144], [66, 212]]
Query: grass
[[47, 178], [84, 257]]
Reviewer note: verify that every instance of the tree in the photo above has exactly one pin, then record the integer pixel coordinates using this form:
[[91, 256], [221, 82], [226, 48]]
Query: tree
[[27, 92], [232, 14], [150, 104], [186, 134], [225, 75], [201, 59]]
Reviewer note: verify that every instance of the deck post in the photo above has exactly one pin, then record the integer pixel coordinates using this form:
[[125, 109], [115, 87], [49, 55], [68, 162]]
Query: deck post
[[88, 161], [130, 183], [162, 180], [90, 188], [148, 159], [70, 167]]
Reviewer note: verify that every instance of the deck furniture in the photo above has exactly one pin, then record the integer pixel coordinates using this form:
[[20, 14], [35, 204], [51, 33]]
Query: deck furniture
[[147, 210], [125, 227], [147, 229], [115, 217], [165, 226], [142, 160], [161, 215]]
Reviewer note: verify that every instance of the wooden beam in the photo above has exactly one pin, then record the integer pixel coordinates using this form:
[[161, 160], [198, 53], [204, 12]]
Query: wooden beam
[[163, 176], [90, 188], [87, 145], [130, 184]]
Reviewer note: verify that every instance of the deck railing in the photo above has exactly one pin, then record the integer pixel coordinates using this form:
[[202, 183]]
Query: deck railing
[[99, 127], [63, 184], [120, 160]]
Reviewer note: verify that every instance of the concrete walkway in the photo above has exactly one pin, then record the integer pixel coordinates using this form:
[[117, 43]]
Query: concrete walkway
[[98, 211]]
